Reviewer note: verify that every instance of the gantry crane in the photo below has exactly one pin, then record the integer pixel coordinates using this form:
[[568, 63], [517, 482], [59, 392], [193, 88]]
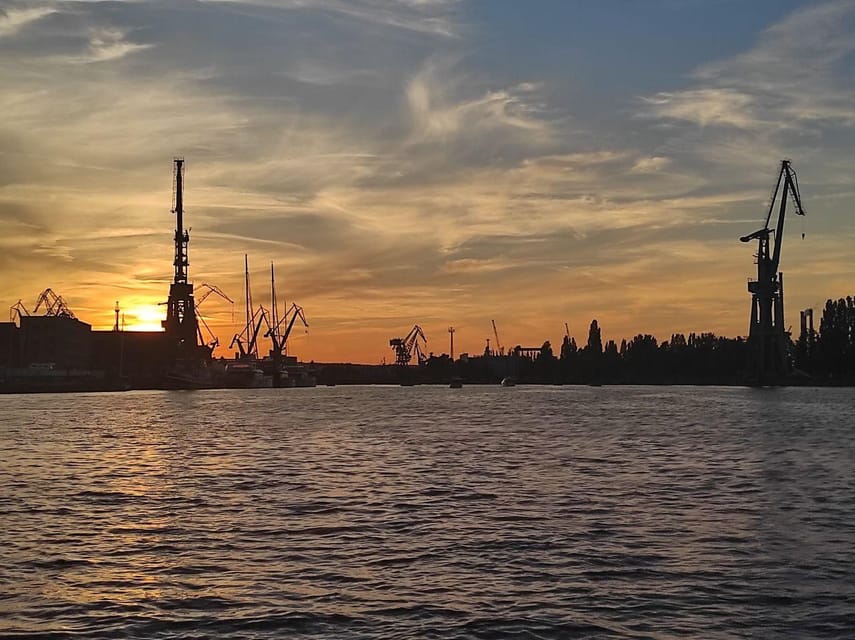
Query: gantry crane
[[405, 347], [53, 304], [766, 336]]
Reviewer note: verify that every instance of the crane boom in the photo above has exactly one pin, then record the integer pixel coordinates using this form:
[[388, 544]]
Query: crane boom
[[767, 336], [791, 187], [499, 347], [297, 312], [210, 288]]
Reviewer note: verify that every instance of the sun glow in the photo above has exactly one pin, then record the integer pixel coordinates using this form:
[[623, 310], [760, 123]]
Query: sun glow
[[144, 318]]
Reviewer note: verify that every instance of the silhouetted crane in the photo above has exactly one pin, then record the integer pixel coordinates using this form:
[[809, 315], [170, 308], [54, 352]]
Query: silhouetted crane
[[405, 347], [209, 290], [278, 337], [247, 340], [213, 341], [53, 304], [499, 349], [17, 311], [766, 337]]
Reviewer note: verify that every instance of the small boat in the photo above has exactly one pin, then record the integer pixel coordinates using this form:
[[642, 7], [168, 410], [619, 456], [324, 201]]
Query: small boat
[[508, 382], [456, 383]]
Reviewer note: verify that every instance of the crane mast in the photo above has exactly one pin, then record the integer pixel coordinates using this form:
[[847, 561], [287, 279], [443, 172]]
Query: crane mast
[[767, 336], [500, 350], [181, 324]]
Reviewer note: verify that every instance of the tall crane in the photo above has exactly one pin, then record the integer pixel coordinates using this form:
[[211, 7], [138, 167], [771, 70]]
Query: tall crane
[[766, 336], [181, 325], [498, 345], [405, 347]]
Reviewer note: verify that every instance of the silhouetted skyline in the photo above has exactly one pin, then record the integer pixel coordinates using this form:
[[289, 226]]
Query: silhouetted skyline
[[445, 162]]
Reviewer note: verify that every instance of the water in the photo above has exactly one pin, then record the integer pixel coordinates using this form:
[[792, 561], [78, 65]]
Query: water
[[426, 512]]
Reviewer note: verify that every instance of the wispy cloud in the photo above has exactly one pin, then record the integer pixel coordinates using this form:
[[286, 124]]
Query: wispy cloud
[[12, 19], [424, 16], [791, 79]]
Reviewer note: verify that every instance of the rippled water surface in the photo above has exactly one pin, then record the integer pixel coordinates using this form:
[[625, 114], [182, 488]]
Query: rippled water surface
[[426, 512]]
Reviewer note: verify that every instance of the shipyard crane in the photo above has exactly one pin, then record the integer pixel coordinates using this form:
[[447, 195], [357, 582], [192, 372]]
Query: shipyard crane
[[498, 345], [213, 342], [209, 289], [766, 337], [247, 340], [181, 324], [405, 347], [17, 311], [278, 337], [53, 304]]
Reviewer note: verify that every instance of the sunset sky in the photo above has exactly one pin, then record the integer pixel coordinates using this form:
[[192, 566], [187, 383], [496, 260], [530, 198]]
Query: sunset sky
[[440, 162]]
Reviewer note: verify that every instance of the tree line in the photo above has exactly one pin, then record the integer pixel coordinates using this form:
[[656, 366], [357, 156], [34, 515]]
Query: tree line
[[822, 357], [830, 352]]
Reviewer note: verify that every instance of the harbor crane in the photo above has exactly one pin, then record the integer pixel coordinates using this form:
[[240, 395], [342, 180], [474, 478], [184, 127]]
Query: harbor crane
[[17, 311], [405, 347], [247, 340], [766, 337], [213, 342], [209, 289], [500, 350], [53, 304], [181, 324], [278, 337]]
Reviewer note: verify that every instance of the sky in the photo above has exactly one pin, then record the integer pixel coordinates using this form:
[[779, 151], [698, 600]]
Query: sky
[[440, 162]]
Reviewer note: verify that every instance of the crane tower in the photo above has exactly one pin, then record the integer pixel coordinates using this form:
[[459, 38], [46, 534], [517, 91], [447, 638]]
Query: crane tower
[[767, 338], [181, 325]]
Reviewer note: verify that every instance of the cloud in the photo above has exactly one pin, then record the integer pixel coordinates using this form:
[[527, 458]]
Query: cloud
[[432, 17], [652, 164], [14, 19], [795, 77], [710, 106], [436, 115]]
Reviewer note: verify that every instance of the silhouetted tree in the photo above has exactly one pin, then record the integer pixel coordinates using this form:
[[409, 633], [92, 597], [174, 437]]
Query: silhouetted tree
[[595, 340]]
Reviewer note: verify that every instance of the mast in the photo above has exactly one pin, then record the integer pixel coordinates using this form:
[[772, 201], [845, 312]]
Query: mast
[[273, 310], [246, 294], [181, 325]]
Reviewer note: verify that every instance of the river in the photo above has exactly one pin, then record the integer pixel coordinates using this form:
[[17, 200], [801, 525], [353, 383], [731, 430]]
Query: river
[[428, 512]]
